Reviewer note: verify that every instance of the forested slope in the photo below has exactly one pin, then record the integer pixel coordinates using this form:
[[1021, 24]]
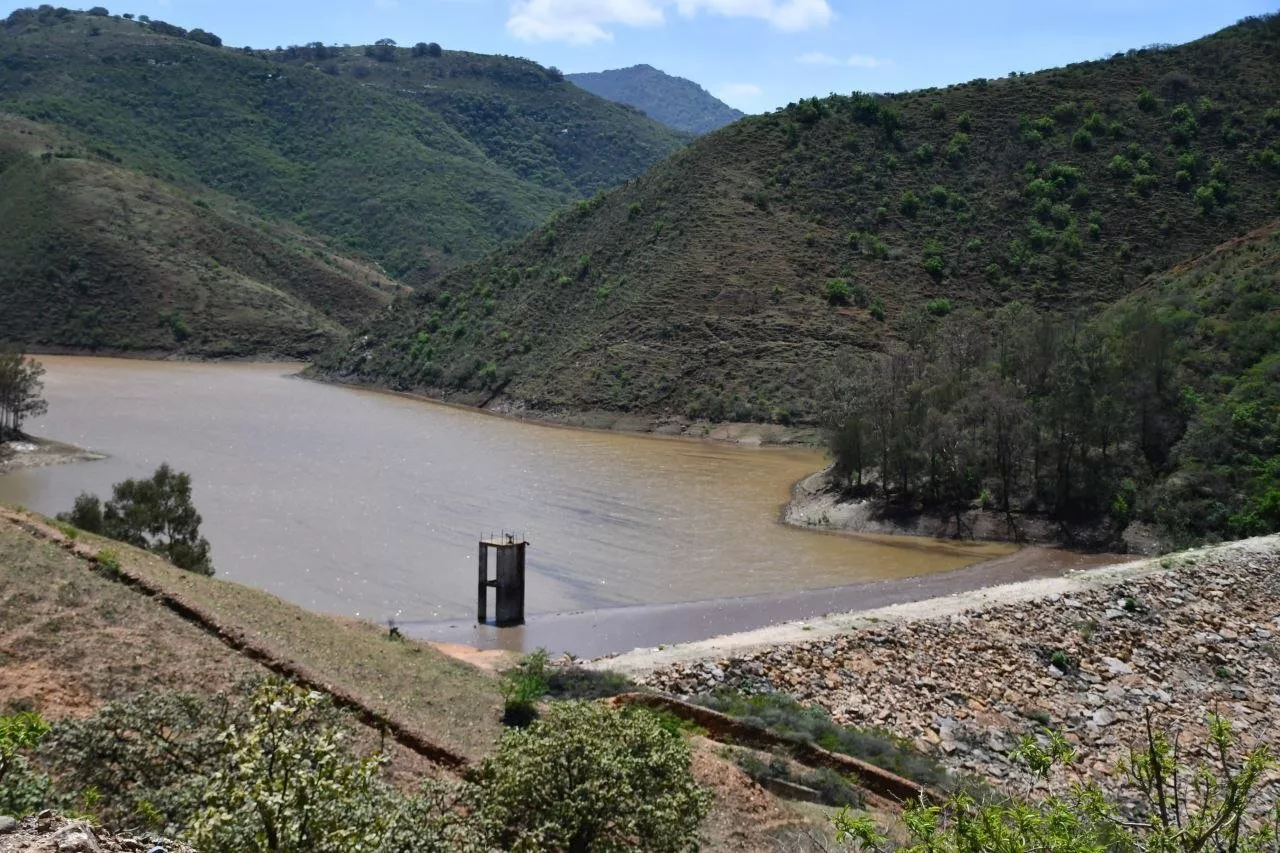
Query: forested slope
[[95, 255], [723, 281], [415, 160]]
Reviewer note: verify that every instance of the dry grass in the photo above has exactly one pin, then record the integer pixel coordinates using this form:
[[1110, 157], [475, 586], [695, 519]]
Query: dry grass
[[113, 641]]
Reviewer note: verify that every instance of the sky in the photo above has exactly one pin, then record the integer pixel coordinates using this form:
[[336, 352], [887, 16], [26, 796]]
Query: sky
[[755, 55]]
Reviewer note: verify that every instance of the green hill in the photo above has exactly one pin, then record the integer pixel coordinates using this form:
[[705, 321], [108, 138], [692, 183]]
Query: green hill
[[723, 281], [417, 161], [674, 101], [96, 255]]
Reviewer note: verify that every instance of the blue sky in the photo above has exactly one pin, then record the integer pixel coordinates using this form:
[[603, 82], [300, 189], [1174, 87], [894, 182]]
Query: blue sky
[[754, 54]]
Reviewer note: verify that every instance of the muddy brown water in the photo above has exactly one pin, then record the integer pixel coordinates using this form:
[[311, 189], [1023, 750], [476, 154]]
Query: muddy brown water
[[370, 505]]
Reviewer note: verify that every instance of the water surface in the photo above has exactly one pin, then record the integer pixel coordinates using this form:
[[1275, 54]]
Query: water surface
[[371, 505]]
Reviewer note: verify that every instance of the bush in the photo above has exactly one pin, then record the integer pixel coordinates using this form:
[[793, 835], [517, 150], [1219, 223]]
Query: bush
[[588, 777], [522, 687], [939, 307], [21, 790], [1181, 809], [783, 715], [155, 513], [909, 204], [838, 291]]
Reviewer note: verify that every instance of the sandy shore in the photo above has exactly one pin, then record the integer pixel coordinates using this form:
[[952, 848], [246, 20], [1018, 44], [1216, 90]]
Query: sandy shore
[[646, 660], [30, 452]]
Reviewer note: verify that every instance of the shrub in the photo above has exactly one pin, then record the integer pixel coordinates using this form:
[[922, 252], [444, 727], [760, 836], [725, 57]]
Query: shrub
[[877, 309], [783, 715], [909, 204], [1146, 100], [1182, 809], [838, 291], [21, 790], [588, 777], [860, 295], [1082, 140], [939, 307], [522, 687], [964, 121]]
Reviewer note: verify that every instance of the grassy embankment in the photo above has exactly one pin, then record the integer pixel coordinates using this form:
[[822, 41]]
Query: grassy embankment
[[73, 638]]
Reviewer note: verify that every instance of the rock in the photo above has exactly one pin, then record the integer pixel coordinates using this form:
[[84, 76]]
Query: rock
[[7, 824], [1116, 666], [1103, 717]]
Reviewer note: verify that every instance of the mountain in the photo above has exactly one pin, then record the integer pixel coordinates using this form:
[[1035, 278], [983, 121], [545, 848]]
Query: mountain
[[416, 159], [725, 281], [676, 102], [96, 255], [1222, 313]]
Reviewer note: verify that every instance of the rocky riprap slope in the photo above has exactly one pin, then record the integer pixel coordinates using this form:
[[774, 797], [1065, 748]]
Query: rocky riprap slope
[[50, 833], [1197, 638]]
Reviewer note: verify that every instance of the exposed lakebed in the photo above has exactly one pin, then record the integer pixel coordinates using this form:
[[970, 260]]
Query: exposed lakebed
[[370, 505]]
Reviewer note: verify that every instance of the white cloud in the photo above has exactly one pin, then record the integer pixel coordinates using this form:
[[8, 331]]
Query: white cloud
[[857, 60], [587, 21]]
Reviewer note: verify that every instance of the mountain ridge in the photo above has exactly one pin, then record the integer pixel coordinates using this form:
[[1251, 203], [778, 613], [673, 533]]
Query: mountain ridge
[[418, 162], [677, 102], [718, 284]]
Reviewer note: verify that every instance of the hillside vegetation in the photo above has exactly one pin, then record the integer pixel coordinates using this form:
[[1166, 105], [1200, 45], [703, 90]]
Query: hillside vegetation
[[95, 255], [722, 282], [674, 101], [415, 159]]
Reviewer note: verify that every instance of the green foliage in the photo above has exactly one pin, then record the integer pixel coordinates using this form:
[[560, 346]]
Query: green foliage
[[459, 151], [285, 784], [838, 291], [587, 777], [1182, 809], [783, 715], [831, 787], [845, 169], [21, 391], [21, 790], [522, 687], [939, 307], [154, 513], [909, 204]]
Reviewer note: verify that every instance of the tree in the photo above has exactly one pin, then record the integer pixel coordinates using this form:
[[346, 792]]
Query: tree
[[588, 777], [20, 392], [433, 50], [155, 513]]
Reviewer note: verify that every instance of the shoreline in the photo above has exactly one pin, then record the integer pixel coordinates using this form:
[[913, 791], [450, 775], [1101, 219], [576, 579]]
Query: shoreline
[[1090, 655], [34, 452], [816, 504], [615, 633], [643, 660], [629, 423]]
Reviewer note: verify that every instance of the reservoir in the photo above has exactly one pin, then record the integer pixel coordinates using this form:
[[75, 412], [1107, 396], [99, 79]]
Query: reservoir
[[368, 504]]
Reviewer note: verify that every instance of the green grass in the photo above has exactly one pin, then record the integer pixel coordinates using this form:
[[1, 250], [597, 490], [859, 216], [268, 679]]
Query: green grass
[[716, 259]]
